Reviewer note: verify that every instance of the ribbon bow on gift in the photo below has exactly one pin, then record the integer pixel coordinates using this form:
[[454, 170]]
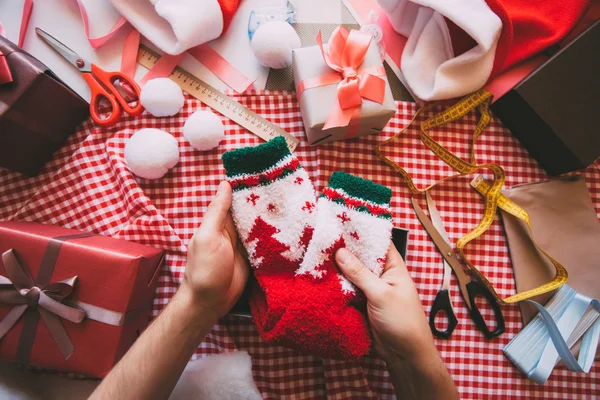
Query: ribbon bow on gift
[[20, 289], [347, 51]]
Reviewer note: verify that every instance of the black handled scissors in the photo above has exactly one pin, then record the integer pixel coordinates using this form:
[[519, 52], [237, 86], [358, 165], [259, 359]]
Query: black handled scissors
[[469, 288]]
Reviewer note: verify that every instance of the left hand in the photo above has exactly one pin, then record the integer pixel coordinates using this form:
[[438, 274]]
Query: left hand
[[216, 270]]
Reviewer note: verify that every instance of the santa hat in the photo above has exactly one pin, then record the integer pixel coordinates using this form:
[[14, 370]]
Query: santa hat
[[454, 47], [177, 25]]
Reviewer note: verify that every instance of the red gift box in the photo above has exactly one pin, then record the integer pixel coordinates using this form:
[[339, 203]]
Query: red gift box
[[99, 289]]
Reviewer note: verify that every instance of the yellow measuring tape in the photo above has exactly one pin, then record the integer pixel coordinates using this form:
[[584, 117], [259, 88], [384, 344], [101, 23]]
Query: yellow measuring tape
[[492, 194]]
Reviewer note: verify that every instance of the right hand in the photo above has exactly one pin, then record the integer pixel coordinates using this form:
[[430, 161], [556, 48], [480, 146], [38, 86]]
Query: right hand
[[400, 328]]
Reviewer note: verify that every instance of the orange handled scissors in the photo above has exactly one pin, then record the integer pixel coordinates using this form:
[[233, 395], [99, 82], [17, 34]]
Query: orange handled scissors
[[102, 85]]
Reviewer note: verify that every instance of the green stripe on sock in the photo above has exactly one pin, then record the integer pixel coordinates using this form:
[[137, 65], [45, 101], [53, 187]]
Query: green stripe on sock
[[361, 188], [252, 160]]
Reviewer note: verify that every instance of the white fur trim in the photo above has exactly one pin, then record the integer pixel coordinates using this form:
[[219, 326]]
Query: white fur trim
[[288, 197], [371, 245], [174, 26], [428, 62]]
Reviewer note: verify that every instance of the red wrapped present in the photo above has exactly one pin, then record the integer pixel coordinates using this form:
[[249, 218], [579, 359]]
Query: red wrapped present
[[72, 301]]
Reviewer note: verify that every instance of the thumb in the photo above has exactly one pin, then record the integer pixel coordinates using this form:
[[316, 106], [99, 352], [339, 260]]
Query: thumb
[[356, 271], [215, 216]]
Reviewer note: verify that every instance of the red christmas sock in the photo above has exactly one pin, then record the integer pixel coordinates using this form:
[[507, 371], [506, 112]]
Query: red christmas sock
[[323, 316], [274, 210]]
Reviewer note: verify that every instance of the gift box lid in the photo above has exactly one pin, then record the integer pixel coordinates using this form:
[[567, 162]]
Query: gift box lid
[[114, 274]]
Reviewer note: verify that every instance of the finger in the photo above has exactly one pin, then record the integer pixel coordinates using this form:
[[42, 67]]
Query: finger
[[356, 271], [215, 215], [231, 232], [393, 259], [230, 226]]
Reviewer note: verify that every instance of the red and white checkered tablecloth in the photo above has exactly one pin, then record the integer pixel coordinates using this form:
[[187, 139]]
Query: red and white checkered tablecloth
[[87, 186]]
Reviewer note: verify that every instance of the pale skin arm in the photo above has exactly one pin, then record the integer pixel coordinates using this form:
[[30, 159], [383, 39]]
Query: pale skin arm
[[215, 276], [400, 330]]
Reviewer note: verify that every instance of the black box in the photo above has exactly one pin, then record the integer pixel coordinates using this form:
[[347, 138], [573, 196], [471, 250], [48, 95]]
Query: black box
[[553, 111]]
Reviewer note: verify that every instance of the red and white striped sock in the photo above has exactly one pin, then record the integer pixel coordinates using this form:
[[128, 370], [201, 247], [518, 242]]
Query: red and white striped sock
[[274, 208], [353, 213]]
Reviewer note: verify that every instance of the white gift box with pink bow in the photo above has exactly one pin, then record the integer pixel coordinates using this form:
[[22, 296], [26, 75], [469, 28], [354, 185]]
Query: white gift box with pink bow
[[342, 87]]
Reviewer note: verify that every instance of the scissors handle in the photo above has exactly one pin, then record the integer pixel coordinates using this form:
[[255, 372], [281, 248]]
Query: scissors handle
[[98, 93], [475, 289], [442, 303], [108, 80]]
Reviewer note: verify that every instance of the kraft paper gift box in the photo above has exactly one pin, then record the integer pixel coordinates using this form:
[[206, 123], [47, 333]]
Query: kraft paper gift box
[[104, 288], [38, 111], [316, 102]]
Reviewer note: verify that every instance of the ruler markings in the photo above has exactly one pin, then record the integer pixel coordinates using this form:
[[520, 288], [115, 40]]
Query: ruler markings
[[220, 102]]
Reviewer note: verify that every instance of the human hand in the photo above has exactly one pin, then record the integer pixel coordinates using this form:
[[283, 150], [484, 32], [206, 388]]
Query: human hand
[[400, 328], [216, 270]]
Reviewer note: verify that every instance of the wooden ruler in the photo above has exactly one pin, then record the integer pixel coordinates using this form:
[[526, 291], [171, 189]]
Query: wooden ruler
[[219, 101]]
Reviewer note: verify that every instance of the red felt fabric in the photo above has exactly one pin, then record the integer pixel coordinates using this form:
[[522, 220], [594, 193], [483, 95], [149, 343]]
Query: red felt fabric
[[228, 8], [528, 28], [531, 27]]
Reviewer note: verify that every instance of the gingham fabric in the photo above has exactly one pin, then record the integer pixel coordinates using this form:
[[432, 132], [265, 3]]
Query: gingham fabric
[[87, 186]]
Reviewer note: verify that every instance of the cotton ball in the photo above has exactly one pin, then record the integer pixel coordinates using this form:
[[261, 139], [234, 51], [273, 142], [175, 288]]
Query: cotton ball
[[204, 130], [150, 153], [162, 97], [273, 43]]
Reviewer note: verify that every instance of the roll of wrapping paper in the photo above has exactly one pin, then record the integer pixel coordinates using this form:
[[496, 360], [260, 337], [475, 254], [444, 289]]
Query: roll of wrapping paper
[[491, 192]]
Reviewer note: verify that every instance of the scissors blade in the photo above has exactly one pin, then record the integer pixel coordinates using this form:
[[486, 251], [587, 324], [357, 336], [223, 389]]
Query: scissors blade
[[64, 51], [436, 219], [446, 250]]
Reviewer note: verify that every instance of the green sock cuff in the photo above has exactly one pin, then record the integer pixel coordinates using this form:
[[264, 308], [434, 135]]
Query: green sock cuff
[[361, 188], [255, 159]]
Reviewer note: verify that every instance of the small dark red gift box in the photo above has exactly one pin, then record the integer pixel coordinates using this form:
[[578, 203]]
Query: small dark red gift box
[[99, 289]]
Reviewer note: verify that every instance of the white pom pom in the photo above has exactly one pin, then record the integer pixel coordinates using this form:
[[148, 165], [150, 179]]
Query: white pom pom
[[204, 130], [273, 43], [162, 97], [150, 153]]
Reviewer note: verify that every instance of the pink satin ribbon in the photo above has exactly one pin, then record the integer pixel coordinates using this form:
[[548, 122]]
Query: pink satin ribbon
[[221, 68], [347, 51], [5, 74]]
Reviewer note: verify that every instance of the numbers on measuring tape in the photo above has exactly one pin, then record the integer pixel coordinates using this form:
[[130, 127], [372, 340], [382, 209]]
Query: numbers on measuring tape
[[220, 102], [493, 197]]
